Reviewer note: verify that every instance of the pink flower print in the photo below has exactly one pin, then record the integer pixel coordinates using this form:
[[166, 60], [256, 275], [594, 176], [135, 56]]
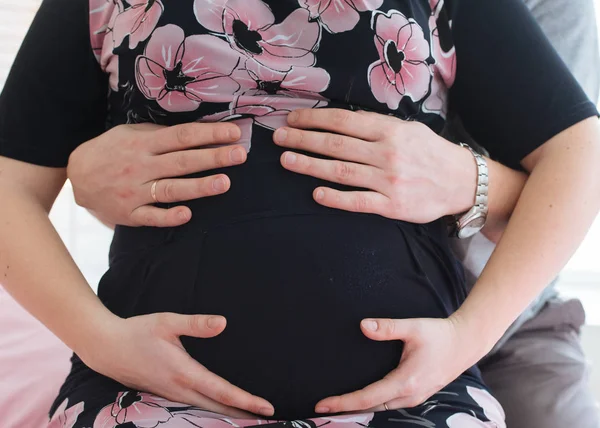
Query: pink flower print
[[199, 418], [465, 420], [442, 45], [269, 112], [180, 73], [402, 69], [137, 21], [437, 101], [359, 420], [102, 18], [142, 409], [491, 409], [66, 418], [101, 12], [249, 26], [338, 16], [256, 79]]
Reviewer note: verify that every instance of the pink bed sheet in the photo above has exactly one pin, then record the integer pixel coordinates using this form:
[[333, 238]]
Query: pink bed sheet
[[33, 365]]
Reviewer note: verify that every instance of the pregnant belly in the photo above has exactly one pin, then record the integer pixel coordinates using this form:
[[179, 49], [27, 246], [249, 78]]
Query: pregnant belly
[[294, 290]]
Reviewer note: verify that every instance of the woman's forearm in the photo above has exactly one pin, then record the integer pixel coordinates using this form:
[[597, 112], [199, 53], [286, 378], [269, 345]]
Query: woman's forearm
[[36, 268], [555, 210]]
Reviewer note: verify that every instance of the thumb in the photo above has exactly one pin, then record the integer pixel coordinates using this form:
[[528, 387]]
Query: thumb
[[382, 329], [202, 326]]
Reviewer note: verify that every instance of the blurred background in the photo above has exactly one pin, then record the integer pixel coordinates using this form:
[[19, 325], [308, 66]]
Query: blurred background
[[88, 240]]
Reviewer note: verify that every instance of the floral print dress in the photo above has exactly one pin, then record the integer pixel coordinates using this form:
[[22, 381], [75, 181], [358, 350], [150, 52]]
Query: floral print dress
[[247, 61], [254, 61]]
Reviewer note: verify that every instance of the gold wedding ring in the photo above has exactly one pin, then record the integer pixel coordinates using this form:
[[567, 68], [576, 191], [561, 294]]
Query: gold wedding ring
[[153, 191]]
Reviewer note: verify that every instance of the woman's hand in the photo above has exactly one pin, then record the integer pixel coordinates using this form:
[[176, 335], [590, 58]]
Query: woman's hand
[[411, 173], [436, 352], [145, 353], [113, 175]]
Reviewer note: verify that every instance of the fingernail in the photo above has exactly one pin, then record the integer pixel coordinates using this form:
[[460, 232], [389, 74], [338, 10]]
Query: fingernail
[[322, 409], [214, 322], [183, 215], [370, 325], [320, 195], [290, 158], [293, 116], [219, 185], [265, 411], [237, 155], [281, 135]]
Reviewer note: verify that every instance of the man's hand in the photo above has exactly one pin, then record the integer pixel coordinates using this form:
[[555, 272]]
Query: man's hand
[[113, 174], [412, 173]]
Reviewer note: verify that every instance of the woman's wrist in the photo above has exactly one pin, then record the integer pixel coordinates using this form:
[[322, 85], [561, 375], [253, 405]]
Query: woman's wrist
[[96, 326], [482, 327]]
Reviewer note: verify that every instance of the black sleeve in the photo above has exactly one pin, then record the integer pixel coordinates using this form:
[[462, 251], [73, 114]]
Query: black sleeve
[[55, 97], [512, 90]]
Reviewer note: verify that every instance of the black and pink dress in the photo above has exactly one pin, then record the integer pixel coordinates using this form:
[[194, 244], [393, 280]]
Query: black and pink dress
[[264, 254]]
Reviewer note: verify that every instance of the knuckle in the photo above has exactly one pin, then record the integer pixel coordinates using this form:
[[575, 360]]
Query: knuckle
[[389, 326], [343, 171], [304, 115], [124, 194], [128, 170], [195, 323], [149, 220], [183, 379], [394, 180], [417, 328], [296, 137], [365, 403], [341, 117], [221, 157], [380, 131], [397, 390], [202, 187], [417, 400], [225, 398], [393, 156], [134, 143], [169, 191], [410, 387], [362, 203], [220, 133], [334, 142], [416, 126], [185, 135], [181, 162], [160, 325]]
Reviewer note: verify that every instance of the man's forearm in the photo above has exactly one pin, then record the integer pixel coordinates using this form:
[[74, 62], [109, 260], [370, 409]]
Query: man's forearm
[[505, 187], [557, 206]]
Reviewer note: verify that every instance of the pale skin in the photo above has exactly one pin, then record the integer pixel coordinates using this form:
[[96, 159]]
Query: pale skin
[[526, 259]]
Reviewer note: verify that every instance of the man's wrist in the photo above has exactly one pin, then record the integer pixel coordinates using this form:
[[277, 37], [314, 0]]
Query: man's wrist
[[464, 182]]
